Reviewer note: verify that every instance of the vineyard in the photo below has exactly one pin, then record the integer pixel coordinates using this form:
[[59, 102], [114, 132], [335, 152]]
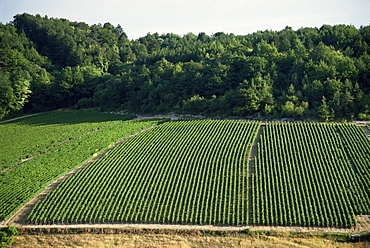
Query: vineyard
[[311, 175], [179, 172], [37, 134], [21, 183], [200, 172]]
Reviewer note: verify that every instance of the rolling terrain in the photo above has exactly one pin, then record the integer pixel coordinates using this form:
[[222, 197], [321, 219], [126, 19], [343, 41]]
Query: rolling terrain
[[199, 172]]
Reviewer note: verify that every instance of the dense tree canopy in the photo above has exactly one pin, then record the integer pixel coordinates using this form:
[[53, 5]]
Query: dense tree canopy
[[48, 63]]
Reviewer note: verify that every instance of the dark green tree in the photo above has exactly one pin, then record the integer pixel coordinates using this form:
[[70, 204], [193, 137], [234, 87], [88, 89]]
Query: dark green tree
[[324, 112], [6, 235]]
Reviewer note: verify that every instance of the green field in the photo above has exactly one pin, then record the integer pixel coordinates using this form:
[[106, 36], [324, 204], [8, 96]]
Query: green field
[[19, 184], [201, 172], [179, 172], [311, 174], [24, 138]]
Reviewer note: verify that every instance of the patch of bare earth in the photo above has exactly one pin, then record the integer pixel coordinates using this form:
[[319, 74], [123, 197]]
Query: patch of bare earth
[[363, 222], [357, 229], [178, 240]]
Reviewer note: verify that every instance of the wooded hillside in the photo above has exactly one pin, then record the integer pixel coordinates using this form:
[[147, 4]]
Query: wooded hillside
[[49, 63]]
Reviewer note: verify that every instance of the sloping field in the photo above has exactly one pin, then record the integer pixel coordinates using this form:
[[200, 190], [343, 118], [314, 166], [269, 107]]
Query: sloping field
[[27, 137], [197, 172], [311, 174], [179, 172], [201, 172], [19, 184]]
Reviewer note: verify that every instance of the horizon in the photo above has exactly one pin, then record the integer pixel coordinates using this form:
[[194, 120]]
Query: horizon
[[179, 17]]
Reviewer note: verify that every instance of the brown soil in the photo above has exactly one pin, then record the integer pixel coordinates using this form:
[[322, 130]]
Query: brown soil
[[359, 228], [363, 222], [278, 240]]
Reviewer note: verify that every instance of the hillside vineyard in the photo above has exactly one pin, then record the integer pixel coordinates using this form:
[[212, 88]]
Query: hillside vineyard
[[180, 172], [200, 172], [311, 174], [44, 133], [21, 183]]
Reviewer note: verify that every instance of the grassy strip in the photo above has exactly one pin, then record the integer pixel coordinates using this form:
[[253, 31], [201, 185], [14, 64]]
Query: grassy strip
[[304, 177], [247, 231], [24, 138], [22, 183], [110, 237]]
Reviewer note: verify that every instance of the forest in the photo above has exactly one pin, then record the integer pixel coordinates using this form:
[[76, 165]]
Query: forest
[[52, 63]]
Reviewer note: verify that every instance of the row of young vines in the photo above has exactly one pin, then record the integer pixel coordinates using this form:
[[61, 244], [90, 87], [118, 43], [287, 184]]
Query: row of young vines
[[311, 175], [179, 172], [21, 183], [31, 136], [196, 172]]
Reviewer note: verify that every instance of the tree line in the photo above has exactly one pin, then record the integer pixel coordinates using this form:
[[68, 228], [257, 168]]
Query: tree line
[[50, 63]]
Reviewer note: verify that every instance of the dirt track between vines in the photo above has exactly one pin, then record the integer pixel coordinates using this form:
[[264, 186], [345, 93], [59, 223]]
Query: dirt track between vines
[[17, 118], [20, 217], [357, 229]]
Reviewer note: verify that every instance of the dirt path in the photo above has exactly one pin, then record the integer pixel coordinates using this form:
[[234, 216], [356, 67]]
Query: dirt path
[[172, 117], [251, 169], [21, 117], [356, 229]]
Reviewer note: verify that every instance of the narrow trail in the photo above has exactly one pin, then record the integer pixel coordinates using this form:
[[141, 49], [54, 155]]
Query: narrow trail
[[254, 151], [17, 118], [172, 117], [251, 169], [356, 229]]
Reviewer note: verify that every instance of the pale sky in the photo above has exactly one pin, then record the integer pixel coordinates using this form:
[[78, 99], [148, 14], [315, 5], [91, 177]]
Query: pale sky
[[139, 17]]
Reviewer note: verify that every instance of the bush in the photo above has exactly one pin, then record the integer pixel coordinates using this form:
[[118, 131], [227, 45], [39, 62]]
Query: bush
[[6, 235], [364, 117]]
